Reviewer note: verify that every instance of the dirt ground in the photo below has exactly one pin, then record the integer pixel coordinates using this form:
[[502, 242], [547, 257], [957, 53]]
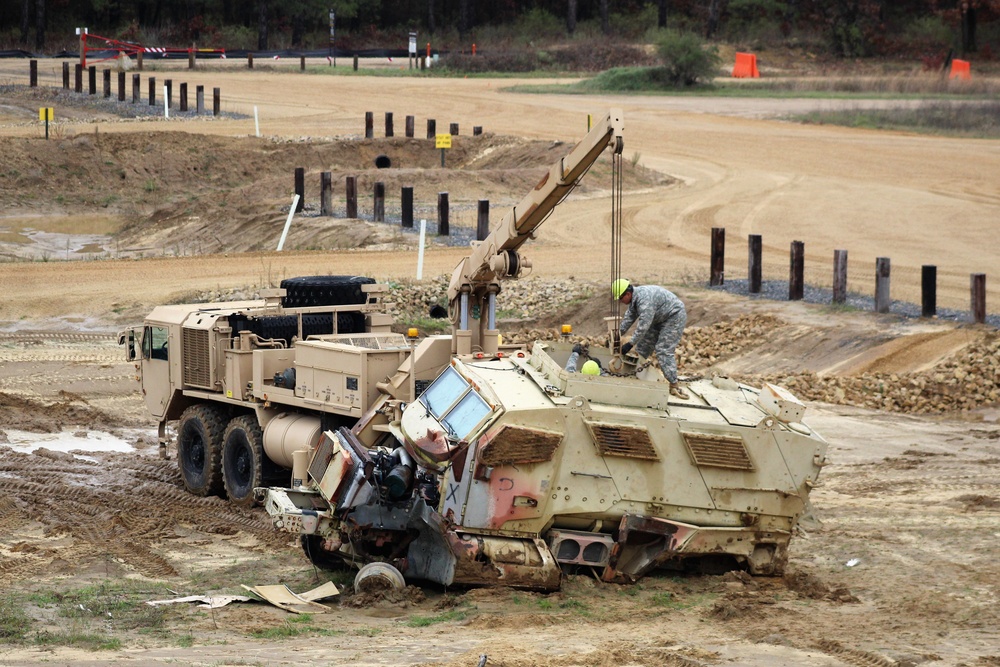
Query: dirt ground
[[901, 570]]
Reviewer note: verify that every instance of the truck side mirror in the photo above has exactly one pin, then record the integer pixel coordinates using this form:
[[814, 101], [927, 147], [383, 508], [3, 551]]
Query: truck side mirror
[[127, 338]]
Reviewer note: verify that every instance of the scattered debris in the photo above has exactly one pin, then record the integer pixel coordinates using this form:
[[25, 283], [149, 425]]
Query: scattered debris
[[283, 597], [208, 601]]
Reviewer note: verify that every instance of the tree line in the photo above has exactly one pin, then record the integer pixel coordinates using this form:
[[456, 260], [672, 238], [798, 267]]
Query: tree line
[[851, 28]]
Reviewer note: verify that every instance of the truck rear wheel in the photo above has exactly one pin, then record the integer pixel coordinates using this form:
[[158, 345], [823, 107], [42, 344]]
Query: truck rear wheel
[[243, 459], [199, 448]]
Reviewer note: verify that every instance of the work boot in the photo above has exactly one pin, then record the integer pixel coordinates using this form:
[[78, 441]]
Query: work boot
[[678, 391]]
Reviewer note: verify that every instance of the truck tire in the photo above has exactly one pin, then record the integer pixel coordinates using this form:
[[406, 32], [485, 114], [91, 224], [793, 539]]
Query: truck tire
[[312, 546], [199, 448], [243, 459], [308, 291]]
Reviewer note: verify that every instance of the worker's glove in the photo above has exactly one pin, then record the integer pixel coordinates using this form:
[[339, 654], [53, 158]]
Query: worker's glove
[[627, 347], [578, 348]]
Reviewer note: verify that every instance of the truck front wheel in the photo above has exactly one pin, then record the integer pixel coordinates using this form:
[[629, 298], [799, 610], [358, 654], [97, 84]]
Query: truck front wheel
[[243, 459], [199, 448]]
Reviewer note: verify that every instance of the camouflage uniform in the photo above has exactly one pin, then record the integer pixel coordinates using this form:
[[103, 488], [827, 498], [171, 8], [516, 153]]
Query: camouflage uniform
[[661, 318], [574, 358]]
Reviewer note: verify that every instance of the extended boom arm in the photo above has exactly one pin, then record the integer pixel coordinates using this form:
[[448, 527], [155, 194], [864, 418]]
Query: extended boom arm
[[475, 281]]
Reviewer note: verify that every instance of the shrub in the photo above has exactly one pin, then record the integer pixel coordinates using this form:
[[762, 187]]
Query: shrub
[[538, 24], [491, 61], [686, 59], [599, 56]]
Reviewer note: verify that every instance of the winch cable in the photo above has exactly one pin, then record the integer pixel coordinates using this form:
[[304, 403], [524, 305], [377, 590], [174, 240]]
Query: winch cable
[[616, 227]]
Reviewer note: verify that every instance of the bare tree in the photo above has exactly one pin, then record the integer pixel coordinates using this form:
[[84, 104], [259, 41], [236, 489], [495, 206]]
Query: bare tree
[[714, 14], [262, 7], [464, 17], [25, 21], [968, 27], [570, 16], [661, 14], [39, 24], [430, 16], [605, 25]]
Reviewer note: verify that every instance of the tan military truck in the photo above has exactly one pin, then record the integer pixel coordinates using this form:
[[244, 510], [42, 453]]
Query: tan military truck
[[458, 460]]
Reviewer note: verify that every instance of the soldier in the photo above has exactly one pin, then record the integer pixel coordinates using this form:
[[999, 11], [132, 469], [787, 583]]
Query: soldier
[[590, 367], [660, 318]]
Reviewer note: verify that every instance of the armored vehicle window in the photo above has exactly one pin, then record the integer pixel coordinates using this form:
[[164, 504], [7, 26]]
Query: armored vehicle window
[[467, 415], [154, 343], [443, 392]]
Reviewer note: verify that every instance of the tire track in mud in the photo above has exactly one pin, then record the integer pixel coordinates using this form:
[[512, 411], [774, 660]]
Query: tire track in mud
[[854, 656], [121, 509]]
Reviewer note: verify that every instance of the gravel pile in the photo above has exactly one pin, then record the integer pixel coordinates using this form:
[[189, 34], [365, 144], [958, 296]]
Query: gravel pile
[[528, 298], [967, 381]]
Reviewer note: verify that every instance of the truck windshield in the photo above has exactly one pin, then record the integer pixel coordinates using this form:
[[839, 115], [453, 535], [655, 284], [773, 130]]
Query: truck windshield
[[452, 401]]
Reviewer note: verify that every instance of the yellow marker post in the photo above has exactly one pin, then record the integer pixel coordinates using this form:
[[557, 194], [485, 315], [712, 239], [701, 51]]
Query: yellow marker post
[[45, 113], [442, 141]]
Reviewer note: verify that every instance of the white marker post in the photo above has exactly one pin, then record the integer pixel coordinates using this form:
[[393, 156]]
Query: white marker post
[[288, 222], [420, 252], [256, 123], [166, 106]]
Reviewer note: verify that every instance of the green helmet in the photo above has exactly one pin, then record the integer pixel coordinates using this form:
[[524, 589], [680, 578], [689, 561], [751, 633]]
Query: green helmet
[[618, 287], [591, 367]]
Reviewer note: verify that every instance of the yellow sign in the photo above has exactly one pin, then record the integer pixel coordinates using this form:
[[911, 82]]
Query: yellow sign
[[45, 113], [442, 141]]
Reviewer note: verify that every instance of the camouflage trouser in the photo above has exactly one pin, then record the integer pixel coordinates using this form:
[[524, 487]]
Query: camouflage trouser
[[666, 343], [574, 359]]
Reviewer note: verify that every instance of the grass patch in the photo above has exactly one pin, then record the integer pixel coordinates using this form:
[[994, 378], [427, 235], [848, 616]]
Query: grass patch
[[576, 607], [84, 640], [650, 81], [294, 627], [90, 616], [14, 621], [446, 617], [945, 118]]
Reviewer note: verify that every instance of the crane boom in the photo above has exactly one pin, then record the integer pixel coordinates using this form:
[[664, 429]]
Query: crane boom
[[475, 281]]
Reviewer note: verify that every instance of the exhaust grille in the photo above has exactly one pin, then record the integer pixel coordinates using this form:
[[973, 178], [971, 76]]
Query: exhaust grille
[[516, 444], [197, 361], [718, 451], [629, 441]]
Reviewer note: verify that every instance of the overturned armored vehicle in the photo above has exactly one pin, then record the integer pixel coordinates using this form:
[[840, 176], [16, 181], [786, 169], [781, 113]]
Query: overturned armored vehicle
[[508, 470]]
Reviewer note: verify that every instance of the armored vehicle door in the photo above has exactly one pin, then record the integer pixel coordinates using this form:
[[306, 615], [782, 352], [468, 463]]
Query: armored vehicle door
[[155, 364]]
